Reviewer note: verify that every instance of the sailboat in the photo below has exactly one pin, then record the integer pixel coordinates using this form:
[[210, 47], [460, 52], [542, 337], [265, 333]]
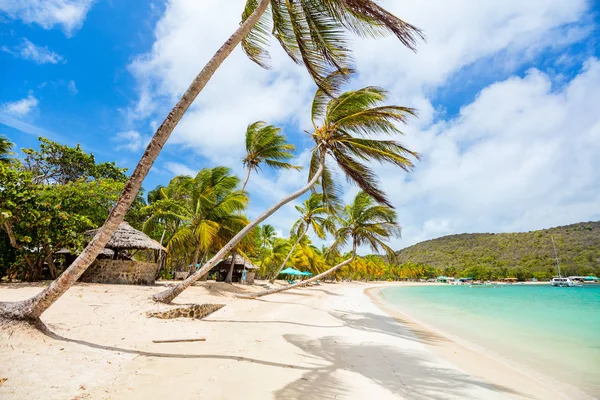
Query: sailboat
[[560, 281]]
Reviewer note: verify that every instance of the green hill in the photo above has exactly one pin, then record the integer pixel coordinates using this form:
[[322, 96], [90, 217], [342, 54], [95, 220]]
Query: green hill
[[524, 255]]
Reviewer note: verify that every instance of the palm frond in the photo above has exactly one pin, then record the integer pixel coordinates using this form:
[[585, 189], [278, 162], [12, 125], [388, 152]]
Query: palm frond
[[255, 43]]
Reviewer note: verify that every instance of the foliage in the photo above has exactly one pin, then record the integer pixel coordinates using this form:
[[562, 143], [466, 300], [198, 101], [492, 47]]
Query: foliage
[[6, 152], [344, 124], [365, 223], [265, 144], [60, 164], [47, 204], [520, 255], [201, 213], [313, 33]]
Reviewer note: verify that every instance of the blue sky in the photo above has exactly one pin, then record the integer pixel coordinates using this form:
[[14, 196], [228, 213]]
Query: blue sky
[[487, 81]]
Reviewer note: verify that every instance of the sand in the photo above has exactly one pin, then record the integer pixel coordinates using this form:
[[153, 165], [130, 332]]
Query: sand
[[324, 342]]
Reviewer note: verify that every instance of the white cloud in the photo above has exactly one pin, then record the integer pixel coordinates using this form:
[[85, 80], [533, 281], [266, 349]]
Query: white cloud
[[131, 140], [20, 108], [522, 156], [490, 168], [180, 169], [69, 14], [32, 52], [72, 88]]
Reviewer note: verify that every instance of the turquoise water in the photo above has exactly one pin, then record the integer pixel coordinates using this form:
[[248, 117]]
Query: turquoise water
[[555, 331]]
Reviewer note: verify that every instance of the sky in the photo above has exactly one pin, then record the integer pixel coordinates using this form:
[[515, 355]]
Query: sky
[[507, 95]]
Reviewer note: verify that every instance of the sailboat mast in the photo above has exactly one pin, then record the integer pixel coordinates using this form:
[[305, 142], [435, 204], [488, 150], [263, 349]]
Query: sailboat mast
[[556, 256]]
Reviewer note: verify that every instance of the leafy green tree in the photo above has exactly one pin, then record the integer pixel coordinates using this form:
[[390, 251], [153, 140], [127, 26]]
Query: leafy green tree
[[59, 164], [265, 144], [41, 219]]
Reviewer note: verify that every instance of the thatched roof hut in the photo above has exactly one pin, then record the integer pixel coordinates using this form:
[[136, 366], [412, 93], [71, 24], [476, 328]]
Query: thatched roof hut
[[115, 264], [127, 238], [239, 265], [239, 262]]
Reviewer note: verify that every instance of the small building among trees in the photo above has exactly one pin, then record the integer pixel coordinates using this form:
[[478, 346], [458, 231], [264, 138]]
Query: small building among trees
[[239, 265], [130, 257]]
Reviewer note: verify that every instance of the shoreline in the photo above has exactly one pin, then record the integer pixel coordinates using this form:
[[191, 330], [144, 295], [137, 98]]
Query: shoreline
[[328, 341], [478, 360]]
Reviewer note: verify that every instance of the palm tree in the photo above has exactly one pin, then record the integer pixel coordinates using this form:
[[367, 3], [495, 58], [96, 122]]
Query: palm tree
[[211, 213], [265, 144], [336, 123], [362, 223], [165, 206], [267, 236], [313, 33], [315, 215], [6, 152]]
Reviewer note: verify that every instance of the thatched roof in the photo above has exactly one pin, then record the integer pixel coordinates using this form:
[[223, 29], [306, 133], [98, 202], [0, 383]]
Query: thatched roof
[[125, 237], [239, 261]]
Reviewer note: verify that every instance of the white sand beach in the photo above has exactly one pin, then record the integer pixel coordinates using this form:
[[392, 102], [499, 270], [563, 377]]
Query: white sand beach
[[324, 342]]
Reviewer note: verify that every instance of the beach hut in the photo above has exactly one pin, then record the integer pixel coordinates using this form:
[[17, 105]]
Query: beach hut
[[120, 260], [240, 264]]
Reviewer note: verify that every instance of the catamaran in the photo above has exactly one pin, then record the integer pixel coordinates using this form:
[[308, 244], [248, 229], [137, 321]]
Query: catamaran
[[560, 281]]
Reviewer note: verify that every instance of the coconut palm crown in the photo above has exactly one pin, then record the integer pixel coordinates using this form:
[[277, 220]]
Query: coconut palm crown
[[266, 144], [210, 215], [314, 33], [364, 223], [344, 125]]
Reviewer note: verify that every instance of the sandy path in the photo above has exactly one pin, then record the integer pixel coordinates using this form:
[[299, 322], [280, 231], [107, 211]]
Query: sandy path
[[323, 342]]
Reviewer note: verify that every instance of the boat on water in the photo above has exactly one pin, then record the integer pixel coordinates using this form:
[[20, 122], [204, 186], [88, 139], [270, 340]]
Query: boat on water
[[560, 281], [563, 282]]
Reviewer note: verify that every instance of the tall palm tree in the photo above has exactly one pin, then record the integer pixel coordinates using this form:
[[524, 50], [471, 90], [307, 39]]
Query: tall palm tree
[[337, 119], [313, 33], [362, 223], [211, 213], [265, 144], [6, 152], [315, 215]]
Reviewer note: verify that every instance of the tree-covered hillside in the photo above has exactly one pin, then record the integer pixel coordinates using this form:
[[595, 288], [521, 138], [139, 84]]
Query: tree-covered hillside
[[512, 254]]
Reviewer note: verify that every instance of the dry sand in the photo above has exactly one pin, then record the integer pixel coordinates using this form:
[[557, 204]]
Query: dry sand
[[323, 342]]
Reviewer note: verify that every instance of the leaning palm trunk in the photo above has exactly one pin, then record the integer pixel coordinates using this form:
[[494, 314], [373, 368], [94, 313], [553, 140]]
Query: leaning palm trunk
[[246, 180], [229, 277], [32, 308], [299, 284], [288, 257], [168, 295]]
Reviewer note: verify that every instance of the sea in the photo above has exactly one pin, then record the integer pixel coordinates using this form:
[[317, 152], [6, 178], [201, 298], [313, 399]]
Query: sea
[[551, 330]]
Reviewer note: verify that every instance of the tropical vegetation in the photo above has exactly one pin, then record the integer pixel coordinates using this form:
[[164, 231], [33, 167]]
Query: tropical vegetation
[[313, 34]]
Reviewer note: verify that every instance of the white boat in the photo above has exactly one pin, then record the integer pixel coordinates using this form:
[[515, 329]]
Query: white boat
[[560, 281], [563, 282]]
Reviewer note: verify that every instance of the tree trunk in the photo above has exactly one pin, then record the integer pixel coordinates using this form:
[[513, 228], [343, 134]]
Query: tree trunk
[[50, 261], [229, 277], [299, 284], [272, 280], [168, 295], [195, 262], [32, 308], [246, 181]]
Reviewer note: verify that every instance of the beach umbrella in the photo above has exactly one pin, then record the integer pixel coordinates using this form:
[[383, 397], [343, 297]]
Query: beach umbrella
[[306, 273], [290, 271]]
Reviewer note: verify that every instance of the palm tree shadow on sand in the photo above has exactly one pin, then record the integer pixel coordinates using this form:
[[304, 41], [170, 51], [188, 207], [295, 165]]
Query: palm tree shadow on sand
[[386, 325], [404, 374]]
